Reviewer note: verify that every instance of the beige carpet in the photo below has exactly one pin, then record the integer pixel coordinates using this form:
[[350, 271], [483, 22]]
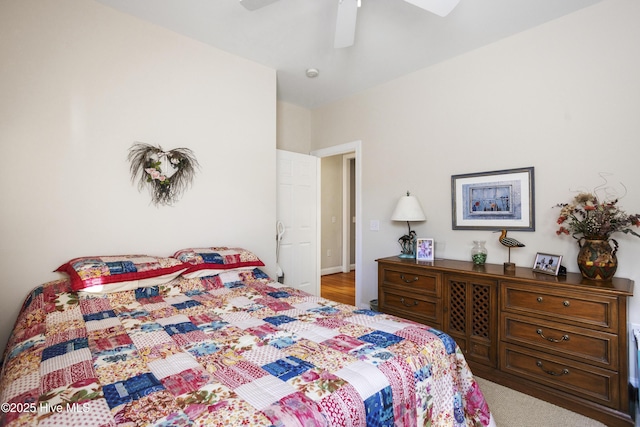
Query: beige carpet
[[511, 408]]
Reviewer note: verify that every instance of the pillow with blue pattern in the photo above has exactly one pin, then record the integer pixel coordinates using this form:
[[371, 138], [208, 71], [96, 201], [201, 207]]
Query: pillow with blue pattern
[[210, 261]]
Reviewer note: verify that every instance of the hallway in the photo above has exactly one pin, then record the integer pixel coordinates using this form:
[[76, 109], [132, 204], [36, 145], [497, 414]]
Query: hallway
[[339, 287]]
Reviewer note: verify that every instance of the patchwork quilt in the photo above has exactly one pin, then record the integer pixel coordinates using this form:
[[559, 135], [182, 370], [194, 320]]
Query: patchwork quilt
[[227, 350]]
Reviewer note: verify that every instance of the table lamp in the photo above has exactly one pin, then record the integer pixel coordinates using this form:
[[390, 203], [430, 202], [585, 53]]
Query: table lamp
[[408, 209]]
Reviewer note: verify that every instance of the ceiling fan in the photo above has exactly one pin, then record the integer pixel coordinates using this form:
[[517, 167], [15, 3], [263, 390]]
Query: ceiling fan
[[347, 11]]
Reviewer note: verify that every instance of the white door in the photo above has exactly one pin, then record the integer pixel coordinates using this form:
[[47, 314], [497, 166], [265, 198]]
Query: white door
[[297, 210]]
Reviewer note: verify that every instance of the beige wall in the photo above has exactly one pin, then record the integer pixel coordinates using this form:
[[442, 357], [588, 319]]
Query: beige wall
[[293, 128], [562, 97], [331, 214], [80, 83]]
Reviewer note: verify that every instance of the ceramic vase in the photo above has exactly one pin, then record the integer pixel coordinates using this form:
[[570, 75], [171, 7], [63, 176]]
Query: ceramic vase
[[597, 258]]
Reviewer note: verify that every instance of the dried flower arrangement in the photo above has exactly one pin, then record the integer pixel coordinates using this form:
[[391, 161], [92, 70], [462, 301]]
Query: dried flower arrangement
[[166, 173], [589, 218]]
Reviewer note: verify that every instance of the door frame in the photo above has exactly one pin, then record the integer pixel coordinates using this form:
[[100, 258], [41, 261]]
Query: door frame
[[356, 148], [346, 211]]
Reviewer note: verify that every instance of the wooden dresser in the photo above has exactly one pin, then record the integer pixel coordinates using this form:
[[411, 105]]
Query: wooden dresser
[[560, 339]]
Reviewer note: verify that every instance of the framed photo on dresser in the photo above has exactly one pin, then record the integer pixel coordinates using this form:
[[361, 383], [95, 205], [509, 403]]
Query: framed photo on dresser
[[547, 264], [424, 249]]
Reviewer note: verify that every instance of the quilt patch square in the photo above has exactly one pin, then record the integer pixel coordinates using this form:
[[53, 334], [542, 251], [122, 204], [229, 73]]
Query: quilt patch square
[[107, 343], [324, 310], [89, 413], [65, 376], [180, 328], [263, 355], [277, 305], [203, 349], [151, 339], [27, 383], [100, 324], [67, 335], [116, 394], [186, 381], [447, 341], [186, 304], [279, 320], [279, 294], [131, 389], [91, 304], [172, 365], [343, 343], [295, 410], [238, 374], [173, 320], [319, 334], [262, 392], [287, 368], [262, 330], [364, 377], [36, 331], [379, 409], [381, 339], [148, 292], [344, 405], [64, 348], [185, 340], [67, 316]]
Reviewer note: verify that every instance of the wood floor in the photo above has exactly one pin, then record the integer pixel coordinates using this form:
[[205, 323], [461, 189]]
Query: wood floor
[[339, 287]]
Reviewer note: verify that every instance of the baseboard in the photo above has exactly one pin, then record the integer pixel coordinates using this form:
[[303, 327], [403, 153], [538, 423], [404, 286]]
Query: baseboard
[[334, 270], [331, 270]]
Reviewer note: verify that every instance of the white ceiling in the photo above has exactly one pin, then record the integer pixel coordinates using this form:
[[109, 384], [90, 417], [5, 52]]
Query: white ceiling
[[393, 37]]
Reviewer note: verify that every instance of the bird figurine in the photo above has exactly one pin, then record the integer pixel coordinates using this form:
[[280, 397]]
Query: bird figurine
[[509, 243]]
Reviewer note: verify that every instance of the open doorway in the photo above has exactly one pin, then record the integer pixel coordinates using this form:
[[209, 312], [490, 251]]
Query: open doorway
[[348, 265], [338, 237]]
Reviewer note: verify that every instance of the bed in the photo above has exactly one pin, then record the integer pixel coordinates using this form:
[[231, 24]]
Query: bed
[[206, 338]]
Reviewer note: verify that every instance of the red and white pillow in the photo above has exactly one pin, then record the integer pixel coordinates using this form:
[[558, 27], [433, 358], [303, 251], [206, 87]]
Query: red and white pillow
[[119, 273]]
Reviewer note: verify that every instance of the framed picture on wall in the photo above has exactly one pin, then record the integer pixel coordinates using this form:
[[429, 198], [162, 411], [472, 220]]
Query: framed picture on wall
[[547, 264], [424, 249], [493, 200]]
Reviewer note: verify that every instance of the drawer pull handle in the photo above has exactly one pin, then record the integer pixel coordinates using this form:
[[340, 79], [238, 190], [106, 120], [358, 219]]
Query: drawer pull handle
[[565, 371], [564, 337], [408, 305], [566, 303], [415, 279], [539, 299]]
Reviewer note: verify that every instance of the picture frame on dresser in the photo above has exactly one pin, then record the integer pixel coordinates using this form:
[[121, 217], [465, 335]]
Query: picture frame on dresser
[[425, 249], [547, 263], [493, 200]]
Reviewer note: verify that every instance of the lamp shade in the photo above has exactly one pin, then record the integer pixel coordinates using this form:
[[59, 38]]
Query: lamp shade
[[408, 209]]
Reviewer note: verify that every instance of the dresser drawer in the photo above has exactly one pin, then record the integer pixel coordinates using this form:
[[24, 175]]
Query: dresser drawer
[[572, 341], [579, 379], [411, 306], [575, 308], [413, 278]]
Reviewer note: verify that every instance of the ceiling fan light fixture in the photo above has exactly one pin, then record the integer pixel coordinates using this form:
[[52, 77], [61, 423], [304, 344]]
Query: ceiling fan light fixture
[[256, 4], [439, 7], [312, 72]]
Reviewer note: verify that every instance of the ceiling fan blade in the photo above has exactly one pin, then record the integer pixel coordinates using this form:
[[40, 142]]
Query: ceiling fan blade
[[256, 4], [439, 7], [346, 23]]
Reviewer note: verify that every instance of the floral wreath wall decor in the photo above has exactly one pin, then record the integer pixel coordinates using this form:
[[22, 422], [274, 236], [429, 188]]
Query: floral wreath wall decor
[[167, 174]]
